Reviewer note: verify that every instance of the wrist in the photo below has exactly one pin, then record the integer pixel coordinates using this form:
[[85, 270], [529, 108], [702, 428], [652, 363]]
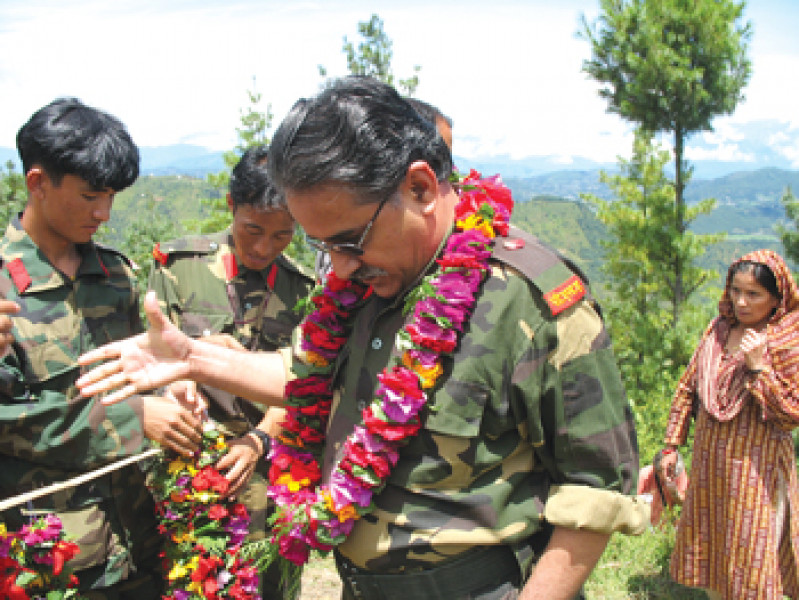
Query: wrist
[[263, 439]]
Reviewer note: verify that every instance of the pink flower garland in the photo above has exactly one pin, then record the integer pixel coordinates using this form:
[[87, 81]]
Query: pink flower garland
[[320, 517]]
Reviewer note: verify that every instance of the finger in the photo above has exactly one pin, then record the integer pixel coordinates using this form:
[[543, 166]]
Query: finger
[[100, 354], [109, 384], [9, 307], [155, 317], [114, 397]]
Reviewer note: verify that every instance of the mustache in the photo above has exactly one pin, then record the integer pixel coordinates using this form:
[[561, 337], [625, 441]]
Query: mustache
[[366, 272]]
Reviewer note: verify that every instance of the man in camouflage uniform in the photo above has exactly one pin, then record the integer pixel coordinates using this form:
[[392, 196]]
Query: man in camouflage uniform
[[238, 283], [74, 295], [527, 458]]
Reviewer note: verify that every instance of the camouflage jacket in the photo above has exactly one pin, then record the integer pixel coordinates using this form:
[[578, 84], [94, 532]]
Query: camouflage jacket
[[529, 426], [204, 291], [48, 433]]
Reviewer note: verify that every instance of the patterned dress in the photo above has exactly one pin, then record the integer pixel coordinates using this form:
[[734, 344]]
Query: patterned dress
[[737, 535]]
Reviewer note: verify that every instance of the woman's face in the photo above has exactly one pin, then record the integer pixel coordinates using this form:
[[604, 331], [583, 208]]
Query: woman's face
[[753, 304]]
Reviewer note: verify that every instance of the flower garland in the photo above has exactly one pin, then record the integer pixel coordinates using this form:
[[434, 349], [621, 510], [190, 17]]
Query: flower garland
[[33, 562], [310, 516], [204, 531]]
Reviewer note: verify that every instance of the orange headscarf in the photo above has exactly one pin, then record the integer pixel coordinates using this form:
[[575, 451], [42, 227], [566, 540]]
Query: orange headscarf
[[782, 341]]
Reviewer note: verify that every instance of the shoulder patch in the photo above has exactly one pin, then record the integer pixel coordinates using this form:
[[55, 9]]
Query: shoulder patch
[[560, 281], [19, 274]]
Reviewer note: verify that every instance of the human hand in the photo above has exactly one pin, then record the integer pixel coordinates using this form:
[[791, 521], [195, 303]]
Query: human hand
[[7, 307], [239, 462], [140, 363], [171, 425], [753, 345], [186, 394], [225, 340]]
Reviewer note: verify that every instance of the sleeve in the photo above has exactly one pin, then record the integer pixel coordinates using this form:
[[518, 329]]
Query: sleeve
[[777, 395], [682, 405], [583, 427], [65, 431]]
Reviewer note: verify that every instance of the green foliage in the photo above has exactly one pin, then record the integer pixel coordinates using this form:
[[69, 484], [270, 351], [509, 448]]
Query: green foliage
[[372, 56], [13, 194], [636, 568], [670, 66], [652, 345], [254, 131], [789, 232]]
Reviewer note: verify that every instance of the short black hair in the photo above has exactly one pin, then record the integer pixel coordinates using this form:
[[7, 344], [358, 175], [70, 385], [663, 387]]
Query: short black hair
[[358, 132], [250, 183], [428, 111], [66, 137]]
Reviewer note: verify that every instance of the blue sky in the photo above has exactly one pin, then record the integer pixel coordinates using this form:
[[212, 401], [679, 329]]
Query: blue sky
[[507, 72]]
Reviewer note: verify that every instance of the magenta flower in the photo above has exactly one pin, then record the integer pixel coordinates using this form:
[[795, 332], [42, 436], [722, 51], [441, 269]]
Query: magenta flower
[[399, 407], [347, 490]]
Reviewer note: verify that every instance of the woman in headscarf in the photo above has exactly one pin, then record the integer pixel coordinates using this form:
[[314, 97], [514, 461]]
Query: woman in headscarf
[[737, 537]]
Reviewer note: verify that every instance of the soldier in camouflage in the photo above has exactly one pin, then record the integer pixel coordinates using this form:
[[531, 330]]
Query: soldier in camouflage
[[527, 458], [239, 284], [74, 295]]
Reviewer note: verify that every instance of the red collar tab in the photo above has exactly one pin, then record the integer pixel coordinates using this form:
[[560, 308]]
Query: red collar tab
[[565, 295], [231, 267], [102, 266], [160, 256], [272, 276], [19, 274]]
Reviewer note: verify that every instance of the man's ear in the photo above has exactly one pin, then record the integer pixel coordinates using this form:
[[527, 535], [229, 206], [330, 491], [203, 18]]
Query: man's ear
[[422, 183], [35, 179], [230, 204]]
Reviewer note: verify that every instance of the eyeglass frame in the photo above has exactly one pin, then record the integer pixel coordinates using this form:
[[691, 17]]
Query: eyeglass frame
[[348, 248]]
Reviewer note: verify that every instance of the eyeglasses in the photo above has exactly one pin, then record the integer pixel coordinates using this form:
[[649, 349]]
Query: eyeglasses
[[355, 249]]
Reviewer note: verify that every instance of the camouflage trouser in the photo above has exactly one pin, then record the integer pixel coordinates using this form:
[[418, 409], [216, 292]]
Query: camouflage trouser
[[489, 573]]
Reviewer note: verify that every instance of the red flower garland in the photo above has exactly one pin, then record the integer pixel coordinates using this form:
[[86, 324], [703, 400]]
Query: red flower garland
[[309, 516]]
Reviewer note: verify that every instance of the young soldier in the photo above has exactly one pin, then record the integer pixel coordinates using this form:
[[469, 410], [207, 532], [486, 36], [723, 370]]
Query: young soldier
[[75, 295], [238, 283]]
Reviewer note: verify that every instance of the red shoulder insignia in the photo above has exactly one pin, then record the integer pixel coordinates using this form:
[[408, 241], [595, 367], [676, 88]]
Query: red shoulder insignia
[[231, 268], [565, 295], [19, 275], [272, 276], [160, 256]]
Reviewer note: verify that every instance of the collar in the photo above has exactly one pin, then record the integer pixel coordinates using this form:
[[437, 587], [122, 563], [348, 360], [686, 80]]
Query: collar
[[30, 269]]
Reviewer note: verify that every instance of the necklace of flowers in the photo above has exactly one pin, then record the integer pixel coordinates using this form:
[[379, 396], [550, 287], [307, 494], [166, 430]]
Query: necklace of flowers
[[33, 562], [203, 529], [311, 516]]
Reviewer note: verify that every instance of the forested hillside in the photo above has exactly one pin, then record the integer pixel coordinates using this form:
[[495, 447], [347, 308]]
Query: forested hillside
[[748, 207]]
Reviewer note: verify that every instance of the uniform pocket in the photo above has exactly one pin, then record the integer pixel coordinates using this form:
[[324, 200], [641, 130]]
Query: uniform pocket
[[459, 409]]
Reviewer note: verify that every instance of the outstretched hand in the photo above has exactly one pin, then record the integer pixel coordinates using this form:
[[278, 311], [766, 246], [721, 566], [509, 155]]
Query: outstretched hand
[[140, 363]]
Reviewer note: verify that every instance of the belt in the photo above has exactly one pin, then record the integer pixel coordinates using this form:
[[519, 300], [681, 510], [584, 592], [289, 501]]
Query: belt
[[480, 569]]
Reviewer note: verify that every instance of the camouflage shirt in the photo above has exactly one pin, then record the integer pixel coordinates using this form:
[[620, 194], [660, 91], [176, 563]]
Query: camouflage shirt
[[529, 426], [204, 291], [48, 433]]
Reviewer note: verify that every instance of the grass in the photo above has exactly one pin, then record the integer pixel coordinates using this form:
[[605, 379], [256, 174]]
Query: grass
[[632, 568]]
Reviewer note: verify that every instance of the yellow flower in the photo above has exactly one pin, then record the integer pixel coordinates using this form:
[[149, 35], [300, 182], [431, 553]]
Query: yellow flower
[[176, 465], [476, 221], [428, 375], [316, 359], [178, 572], [347, 512]]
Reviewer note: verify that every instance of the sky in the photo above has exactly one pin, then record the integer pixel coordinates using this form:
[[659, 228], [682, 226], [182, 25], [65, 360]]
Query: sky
[[508, 72]]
